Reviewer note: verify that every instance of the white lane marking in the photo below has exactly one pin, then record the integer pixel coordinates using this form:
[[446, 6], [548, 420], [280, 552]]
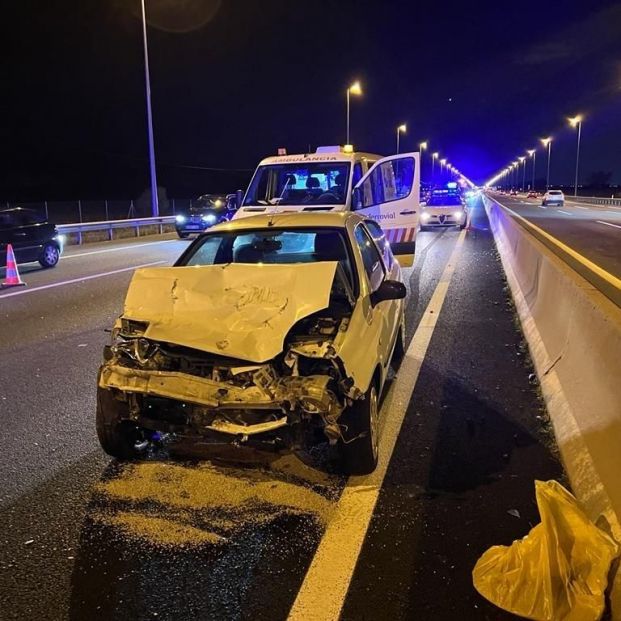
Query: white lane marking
[[325, 586], [117, 249], [608, 224], [565, 212], [74, 280], [581, 207]]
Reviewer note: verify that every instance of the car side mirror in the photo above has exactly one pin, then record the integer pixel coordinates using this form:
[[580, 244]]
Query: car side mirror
[[388, 290]]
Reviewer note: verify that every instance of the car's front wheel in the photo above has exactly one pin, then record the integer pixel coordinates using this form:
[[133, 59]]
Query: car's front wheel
[[359, 446], [50, 255], [182, 235], [118, 437]]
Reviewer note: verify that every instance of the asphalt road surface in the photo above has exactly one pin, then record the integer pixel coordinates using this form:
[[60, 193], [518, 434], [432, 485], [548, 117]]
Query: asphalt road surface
[[592, 230], [464, 436]]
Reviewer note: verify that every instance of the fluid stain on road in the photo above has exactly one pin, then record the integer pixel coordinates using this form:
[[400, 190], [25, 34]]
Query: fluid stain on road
[[179, 504], [165, 539]]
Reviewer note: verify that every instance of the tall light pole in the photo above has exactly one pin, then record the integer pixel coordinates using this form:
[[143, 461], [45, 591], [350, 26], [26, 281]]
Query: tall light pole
[[533, 154], [576, 121], [523, 161], [434, 156], [402, 128], [442, 163], [354, 89], [422, 147], [155, 209], [547, 142]]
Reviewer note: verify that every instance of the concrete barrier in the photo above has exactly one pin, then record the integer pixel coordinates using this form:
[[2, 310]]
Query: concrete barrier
[[574, 336]]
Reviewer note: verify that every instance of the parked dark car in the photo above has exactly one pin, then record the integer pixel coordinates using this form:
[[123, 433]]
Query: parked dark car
[[33, 238], [207, 210]]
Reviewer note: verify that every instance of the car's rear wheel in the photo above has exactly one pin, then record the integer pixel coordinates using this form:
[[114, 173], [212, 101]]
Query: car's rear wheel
[[50, 255], [182, 235], [359, 446], [118, 437]]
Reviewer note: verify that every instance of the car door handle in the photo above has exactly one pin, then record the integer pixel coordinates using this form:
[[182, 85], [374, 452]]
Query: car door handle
[[407, 212]]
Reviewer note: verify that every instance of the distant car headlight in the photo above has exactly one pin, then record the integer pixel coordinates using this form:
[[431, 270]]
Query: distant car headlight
[[458, 215], [209, 218], [180, 219], [425, 216]]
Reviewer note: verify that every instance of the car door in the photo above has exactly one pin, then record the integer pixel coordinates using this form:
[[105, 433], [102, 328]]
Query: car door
[[389, 194], [375, 272]]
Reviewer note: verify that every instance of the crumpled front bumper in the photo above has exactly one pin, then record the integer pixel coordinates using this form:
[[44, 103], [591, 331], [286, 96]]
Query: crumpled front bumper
[[283, 399]]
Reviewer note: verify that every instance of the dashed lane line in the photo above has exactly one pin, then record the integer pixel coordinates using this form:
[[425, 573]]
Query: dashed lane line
[[565, 212], [76, 280], [608, 224], [322, 594]]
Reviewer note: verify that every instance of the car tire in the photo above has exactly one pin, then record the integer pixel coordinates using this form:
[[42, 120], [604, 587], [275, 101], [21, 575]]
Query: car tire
[[543, 203], [422, 228], [50, 255], [182, 235], [117, 435], [358, 447], [398, 353]]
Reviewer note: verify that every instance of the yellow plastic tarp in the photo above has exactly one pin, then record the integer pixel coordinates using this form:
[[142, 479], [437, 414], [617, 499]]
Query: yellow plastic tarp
[[558, 572]]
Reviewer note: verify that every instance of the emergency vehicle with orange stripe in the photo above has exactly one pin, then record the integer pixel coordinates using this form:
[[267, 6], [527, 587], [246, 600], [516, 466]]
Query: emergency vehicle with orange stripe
[[384, 189]]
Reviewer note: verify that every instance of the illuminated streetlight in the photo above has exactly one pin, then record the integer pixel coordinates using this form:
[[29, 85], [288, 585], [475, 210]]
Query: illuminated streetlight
[[523, 161], [576, 121], [434, 156], [354, 89], [402, 128], [155, 209], [442, 164], [547, 142], [422, 147], [533, 154]]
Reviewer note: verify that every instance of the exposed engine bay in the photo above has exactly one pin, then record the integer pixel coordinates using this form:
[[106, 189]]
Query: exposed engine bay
[[280, 403]]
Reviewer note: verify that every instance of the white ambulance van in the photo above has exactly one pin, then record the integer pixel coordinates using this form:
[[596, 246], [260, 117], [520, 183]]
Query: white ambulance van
[[386, 190]]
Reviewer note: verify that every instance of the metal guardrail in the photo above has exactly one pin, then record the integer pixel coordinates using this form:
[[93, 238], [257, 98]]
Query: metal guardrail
[[594, 200], [109, 225]]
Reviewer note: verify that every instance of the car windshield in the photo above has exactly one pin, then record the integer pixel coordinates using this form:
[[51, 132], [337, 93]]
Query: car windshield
[[443, 200], [280, 246], [303, 183], [554, 192], [210, 201]]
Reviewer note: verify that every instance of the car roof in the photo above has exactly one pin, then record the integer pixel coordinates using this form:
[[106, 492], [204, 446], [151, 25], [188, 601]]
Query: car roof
[[335, 219], [327, 157]]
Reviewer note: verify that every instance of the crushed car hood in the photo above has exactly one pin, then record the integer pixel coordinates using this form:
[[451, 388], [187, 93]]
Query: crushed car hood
[[236, 310]]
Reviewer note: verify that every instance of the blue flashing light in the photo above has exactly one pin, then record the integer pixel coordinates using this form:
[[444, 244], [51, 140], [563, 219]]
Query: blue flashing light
[[451, 184]]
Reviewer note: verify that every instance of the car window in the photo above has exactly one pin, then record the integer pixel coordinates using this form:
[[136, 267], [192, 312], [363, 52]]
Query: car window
[[444, 200], [382, 243], [390, 181], [371, 259], [273, 246], [357, 173]]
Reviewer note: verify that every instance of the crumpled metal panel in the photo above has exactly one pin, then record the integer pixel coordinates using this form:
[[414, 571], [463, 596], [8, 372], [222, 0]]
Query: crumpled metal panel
[[235, 310]]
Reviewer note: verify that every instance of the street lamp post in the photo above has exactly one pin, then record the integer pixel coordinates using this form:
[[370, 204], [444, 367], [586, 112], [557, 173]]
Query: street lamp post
[[155, 210], [354, 89], [577, 122], [547, 142], [422, 147], [402, 128], [523, 161], [533, 154], [442, 163], [434, 156]]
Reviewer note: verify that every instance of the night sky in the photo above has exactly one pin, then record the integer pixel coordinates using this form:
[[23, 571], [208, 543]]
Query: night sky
[[234, 80]]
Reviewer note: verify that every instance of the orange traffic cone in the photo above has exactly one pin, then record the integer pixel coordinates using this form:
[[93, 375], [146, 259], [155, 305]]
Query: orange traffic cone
[[12, 278]]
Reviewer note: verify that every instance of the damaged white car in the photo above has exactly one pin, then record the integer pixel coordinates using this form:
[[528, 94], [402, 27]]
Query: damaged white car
[[272, 331]]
